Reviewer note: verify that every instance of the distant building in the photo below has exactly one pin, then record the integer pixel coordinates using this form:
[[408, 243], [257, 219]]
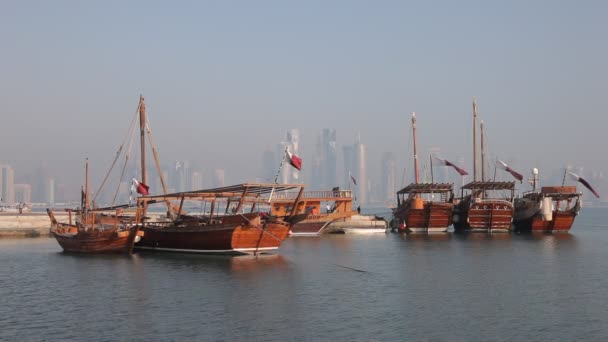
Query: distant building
[[218, 178], [50, 191], [7, 180], [355, 164], [324, 163], [197, 181]]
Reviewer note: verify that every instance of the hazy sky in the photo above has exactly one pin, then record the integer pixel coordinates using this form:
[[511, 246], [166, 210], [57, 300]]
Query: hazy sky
[[224, 80]]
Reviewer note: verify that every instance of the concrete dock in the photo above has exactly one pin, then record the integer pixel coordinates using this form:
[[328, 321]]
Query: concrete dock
[[28, 224]]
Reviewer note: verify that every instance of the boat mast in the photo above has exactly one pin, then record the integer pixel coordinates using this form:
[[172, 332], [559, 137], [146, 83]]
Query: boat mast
[[86, 191], [474, 139], [483, 155], [417, 175], [142, 137]]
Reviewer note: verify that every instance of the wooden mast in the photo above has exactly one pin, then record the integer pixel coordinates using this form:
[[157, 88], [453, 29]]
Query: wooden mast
[[142, 138], [417, 175], [474, 139], [86, 191], [483, 155]]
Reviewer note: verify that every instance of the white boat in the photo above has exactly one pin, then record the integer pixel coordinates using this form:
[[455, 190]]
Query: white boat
[[363, 230]]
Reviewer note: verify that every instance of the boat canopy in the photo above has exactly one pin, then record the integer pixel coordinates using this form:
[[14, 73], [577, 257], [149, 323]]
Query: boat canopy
[[489, 185], [426, 188], [238, 190]]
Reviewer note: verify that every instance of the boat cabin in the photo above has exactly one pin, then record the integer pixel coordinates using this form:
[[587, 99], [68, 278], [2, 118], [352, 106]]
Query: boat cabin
[[432, 192]]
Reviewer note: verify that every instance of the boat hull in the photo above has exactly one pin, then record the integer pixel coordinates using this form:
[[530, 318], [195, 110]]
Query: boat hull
[[561, 222], [485, 216], [235, 235], [95, 240], [529, 213], [433, 217], [306, 228]]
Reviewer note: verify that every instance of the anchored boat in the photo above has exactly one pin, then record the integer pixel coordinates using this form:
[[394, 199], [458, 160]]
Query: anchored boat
[[231, 220]]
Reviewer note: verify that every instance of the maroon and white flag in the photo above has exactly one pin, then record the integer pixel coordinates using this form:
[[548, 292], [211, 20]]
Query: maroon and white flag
[[444, 162], [294, 160], [513, 173], [584, 182], [140, 187]]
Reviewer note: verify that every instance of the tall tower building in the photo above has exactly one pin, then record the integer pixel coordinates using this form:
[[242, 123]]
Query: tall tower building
[[349, 164], [197, 181], [324, 162], [7, 181], [50, 194], [355, 164], [362, 171], [218, 178]]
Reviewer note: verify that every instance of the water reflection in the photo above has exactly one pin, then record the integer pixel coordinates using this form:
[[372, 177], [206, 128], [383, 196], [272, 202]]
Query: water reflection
[[426, 236], [482, 236]]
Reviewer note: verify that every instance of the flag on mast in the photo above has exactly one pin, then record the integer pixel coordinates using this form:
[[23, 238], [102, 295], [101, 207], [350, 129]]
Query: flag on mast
[[140, 187], [513, 173], [584, 182], [294, 160], [445, 162]]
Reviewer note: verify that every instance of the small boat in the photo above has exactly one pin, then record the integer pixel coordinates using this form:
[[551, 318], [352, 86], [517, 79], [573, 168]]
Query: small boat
[[423, 207], [108, 230], [88, 236], [232, 220], [552, 209]]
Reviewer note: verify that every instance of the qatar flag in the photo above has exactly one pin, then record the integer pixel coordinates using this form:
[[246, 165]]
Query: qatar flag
[[141, 188], [584, 182], [460, 171], [294, 160], [513, 173]]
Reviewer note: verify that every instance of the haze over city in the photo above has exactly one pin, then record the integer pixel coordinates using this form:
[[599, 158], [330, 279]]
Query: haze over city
[[224, 82]]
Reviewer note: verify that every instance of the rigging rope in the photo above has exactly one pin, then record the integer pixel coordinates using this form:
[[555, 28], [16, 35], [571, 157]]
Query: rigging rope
[[129, 133], [124, 167]]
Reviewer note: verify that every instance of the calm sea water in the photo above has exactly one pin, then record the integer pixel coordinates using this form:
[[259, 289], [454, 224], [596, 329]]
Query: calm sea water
[[444, 287]]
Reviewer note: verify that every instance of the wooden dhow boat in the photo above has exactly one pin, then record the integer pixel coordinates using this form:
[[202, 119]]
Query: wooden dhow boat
[[482, 209], [107, 230], [231, 220], [94, 231], [484, 205], [320, 209], [552, 209], [424, 207]]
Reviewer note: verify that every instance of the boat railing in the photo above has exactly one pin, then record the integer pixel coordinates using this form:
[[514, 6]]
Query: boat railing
[[317, 194]]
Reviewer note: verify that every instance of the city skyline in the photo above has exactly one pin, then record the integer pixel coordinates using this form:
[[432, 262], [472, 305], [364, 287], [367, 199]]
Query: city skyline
[[321, 172]]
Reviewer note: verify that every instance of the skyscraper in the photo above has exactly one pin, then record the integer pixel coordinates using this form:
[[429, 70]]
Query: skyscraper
[[218, 178], [7, 180], [50, 194], [324, 175], [355, 164]]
